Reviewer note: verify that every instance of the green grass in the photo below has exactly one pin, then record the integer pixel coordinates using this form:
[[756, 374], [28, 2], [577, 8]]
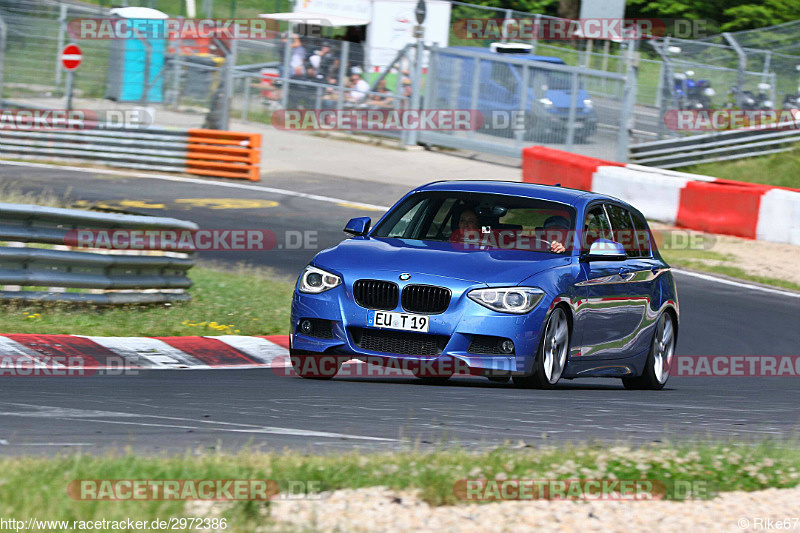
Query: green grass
[[238, 300], [776, 169], [12, 193], [723, 466]]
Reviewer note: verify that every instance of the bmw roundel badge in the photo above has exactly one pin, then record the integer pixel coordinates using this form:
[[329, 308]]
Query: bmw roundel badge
[[405, 277]]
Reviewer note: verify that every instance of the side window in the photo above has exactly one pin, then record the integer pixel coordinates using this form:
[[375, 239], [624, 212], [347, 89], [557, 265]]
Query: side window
[[622, 226], [643, 240], [595, 226]]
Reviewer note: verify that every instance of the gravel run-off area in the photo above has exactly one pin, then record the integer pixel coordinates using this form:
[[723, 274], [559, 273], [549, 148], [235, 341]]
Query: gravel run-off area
[[378, 509]]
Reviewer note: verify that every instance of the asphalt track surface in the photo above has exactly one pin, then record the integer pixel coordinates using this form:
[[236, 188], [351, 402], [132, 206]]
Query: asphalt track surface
[[174, 411]]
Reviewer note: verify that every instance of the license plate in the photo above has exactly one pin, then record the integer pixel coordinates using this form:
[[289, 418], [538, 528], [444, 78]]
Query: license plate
[[404, 321]]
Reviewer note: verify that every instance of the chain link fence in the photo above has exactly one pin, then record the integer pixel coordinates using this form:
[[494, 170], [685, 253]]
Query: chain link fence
[[523, 102], [195, 78]]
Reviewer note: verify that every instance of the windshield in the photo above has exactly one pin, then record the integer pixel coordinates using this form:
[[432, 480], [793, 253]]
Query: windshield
[[485, 220]]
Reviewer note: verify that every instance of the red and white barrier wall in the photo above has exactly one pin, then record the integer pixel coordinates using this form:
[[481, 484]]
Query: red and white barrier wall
[[60, 353], [692, 201]]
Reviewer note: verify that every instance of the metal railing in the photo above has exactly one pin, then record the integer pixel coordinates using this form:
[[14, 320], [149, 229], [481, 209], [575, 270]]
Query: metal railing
[[718, 146], [53, 271], [193, 151], [513, 95]]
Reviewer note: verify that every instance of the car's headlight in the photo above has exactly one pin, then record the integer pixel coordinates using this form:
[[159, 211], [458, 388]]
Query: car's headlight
[[588, 104], [517, 300], [314, 280]]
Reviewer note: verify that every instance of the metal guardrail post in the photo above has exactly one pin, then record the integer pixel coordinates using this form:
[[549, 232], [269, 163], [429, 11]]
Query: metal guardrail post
[[508, 16], [537, 19], [343, 59], [475, 90], [628, 103], [246, 103], [573, 104], [742, 65], [230, 64], [3, 33], [416, 88], [62, 30], [660, 85], [285, 75], [523, 105]]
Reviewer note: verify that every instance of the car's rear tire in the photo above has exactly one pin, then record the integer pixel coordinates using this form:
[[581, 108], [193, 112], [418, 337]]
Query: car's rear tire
[[315, 366], [659, 358], [551, 358]]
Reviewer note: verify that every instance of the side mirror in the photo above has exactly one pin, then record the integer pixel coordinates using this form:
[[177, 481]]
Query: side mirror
[[358, 226], [605, 250]]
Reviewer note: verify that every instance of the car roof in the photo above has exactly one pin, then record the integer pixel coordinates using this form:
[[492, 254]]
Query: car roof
[[528, 57], [564, 195]]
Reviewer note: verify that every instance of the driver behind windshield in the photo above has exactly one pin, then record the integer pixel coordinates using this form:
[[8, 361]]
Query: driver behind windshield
[[557, 226]]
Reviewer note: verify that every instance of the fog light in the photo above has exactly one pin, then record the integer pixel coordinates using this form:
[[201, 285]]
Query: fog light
[[507, 346], [305, 326]]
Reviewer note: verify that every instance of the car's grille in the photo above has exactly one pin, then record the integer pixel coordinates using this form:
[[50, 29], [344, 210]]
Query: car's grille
[[425, 299], [375, 294], [398, 342], [486, 345]]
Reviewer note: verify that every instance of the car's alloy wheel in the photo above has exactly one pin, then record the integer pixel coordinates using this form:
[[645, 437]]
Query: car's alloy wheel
[[659, 360], [553, 351]]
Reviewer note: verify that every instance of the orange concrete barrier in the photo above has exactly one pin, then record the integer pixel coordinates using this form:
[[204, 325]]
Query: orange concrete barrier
[[224, 154]]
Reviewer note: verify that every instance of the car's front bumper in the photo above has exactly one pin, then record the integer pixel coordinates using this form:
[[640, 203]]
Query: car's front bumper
[[458, 326]]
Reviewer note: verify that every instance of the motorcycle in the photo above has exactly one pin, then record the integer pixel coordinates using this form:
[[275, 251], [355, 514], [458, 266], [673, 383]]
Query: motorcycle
[[691, 93], [745, 99], [792, 101]]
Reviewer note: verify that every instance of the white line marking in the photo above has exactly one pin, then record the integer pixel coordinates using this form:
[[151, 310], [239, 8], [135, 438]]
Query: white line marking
[[57, 444], [199, 181], [736, 283], [65, 413]]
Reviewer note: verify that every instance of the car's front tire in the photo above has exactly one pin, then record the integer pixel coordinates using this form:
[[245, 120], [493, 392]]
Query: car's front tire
[[551, 358], [659, 359]]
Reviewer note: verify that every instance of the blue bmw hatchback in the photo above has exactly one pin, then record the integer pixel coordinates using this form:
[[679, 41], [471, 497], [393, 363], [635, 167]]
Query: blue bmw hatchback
[[498, 279]]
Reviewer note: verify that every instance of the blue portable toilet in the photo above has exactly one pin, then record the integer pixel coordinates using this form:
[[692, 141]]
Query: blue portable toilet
[[128, 58]]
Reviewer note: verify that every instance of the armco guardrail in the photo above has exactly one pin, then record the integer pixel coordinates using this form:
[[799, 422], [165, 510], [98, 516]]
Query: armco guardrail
[[692, 201], [116, 278], [719, 146], [214, 153]]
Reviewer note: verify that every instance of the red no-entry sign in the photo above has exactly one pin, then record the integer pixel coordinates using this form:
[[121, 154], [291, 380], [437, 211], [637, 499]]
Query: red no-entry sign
[[71, 57]]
